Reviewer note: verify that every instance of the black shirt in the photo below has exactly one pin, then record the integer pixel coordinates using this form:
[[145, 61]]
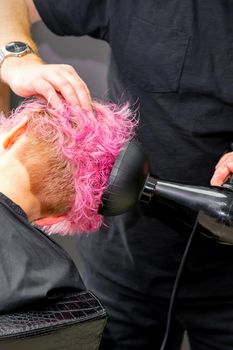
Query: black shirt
[[32, 265], [175, 62], [173, 59]]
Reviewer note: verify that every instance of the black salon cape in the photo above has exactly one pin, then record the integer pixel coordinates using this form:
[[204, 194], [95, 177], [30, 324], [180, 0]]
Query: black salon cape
[[31, 264]]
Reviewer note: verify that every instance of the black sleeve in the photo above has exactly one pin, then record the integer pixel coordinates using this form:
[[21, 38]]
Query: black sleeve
[[76, 17], [32, 265]]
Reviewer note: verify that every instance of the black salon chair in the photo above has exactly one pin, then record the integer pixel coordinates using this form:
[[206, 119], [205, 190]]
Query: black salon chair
[[70, 321]]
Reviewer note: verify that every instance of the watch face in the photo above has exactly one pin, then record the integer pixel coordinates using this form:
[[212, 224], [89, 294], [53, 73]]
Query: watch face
[[16, 47]]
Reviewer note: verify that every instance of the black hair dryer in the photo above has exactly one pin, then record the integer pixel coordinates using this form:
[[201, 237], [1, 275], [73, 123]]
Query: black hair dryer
[[130, 181]]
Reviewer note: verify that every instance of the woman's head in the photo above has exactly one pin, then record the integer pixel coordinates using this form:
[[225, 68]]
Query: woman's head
[[69, 154]]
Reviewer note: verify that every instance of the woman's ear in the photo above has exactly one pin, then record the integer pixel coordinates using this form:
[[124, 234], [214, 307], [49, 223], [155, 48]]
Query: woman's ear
[[11, 136]]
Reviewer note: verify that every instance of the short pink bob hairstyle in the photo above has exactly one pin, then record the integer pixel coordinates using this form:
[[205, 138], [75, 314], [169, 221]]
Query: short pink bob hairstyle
[[89, 142]]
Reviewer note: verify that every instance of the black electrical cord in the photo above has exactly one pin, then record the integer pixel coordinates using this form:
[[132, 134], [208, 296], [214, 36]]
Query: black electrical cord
[[176, 285]]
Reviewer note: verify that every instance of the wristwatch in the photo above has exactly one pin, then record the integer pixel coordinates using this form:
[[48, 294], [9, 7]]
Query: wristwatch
[[14, 49]]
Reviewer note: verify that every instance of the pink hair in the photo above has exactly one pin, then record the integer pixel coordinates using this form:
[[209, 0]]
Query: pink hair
[[91, 141]]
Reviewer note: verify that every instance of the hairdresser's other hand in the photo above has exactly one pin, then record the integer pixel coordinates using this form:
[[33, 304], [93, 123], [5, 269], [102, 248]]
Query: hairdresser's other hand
[[29, 75], [223, 169]]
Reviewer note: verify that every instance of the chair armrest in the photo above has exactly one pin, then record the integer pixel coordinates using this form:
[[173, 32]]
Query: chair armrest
[[66, 322]]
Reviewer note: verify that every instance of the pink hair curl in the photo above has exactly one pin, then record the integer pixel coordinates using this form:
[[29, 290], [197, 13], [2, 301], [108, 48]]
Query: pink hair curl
[[90, 141]]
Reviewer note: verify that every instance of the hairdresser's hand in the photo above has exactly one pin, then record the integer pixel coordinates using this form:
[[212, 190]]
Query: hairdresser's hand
[[223, 169], [29, 75]]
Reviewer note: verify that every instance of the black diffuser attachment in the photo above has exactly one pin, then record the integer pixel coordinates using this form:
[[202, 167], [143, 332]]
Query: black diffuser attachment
[[126, 181]]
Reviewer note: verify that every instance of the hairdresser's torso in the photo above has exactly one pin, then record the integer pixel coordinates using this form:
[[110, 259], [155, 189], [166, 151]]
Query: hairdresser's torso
[[173, 59]]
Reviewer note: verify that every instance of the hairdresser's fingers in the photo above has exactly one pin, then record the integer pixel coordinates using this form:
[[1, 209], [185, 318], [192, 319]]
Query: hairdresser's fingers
[[64, 79], [219, 177], [71, 86], [224, 158], [222, 172], [80, 88], [45, 89], [61, 84], [59, 77]]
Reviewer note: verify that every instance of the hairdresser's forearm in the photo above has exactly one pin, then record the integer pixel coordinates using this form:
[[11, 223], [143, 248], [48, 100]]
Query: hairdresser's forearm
[[28, 75], [15, 18], [15, 23]]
